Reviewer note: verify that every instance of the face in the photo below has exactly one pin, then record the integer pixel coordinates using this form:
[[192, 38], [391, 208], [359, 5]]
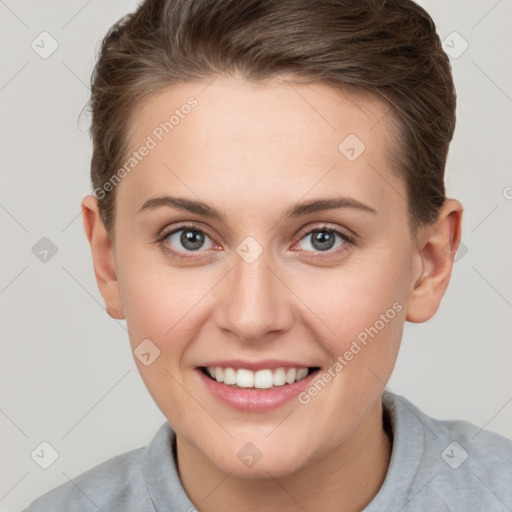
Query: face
[[281, 249]]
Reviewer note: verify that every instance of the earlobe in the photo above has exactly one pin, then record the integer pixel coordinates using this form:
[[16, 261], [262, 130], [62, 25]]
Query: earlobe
[[436, 252], [102, 256]]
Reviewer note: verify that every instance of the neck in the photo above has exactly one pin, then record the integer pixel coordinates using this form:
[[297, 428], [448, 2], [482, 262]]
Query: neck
[[346, 479]]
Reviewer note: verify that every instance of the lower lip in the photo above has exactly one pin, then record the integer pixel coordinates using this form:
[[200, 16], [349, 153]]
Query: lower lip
[[255, 400]]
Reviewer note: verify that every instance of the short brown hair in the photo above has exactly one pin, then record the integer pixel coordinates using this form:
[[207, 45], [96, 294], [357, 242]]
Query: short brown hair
[[388, 48]]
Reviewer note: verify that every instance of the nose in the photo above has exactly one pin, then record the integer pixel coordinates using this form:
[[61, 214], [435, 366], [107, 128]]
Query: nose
[[253, 302]]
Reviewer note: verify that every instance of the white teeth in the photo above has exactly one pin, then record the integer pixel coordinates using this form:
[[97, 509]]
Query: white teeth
[[302, 373], [291, 375], [279, 377], [262, 379], [229, 376], [244, 378]]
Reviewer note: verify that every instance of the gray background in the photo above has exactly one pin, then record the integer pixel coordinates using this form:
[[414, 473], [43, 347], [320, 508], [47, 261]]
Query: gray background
[[67, 374]]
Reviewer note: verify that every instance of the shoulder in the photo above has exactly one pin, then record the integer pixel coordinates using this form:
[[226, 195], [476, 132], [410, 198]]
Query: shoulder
[[476, 462], [467, 442], [463, 465], [99, 488]]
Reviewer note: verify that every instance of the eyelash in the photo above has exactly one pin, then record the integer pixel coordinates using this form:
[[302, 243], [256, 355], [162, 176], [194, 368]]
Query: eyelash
[[191, 227]]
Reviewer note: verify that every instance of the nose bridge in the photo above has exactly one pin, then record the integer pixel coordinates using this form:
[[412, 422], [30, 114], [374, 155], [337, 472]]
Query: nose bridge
[[253, 301]]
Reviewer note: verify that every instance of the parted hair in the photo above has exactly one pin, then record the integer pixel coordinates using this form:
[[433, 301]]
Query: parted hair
[[387, 48]]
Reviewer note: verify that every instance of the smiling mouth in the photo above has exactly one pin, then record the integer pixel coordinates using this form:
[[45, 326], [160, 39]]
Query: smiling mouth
[[261, 379]]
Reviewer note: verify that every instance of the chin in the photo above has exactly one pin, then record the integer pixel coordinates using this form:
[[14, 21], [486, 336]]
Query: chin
[[260, 460], [277, 467]]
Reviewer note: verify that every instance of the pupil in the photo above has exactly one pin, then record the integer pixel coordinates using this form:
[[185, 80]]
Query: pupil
[[192, 240], [323, 240]]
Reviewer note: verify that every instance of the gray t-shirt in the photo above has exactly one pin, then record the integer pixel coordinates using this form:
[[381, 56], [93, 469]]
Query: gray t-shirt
[[435, 466]]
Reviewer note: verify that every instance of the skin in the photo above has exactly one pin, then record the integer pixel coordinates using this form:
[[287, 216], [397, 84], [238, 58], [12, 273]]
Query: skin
[[251, 150]]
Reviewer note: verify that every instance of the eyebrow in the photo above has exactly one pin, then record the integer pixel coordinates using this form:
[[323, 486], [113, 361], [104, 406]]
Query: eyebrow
[[295, 211]]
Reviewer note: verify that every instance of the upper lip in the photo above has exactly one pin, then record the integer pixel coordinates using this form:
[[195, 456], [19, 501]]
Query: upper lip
[[256, 365]]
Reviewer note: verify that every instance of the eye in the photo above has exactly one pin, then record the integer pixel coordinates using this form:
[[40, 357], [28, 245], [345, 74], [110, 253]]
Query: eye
[[324, 239], [185, 239]]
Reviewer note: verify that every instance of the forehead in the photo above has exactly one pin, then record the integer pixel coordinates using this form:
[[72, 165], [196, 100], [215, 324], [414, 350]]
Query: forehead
[[261, 140], [264, 108]]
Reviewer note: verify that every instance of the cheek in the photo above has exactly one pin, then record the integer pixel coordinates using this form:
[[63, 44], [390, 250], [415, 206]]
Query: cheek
[[157, 300], [364, 308], [350, 299], [162, 305]]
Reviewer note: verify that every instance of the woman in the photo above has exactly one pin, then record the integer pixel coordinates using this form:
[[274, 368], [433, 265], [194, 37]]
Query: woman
[[268, 211]]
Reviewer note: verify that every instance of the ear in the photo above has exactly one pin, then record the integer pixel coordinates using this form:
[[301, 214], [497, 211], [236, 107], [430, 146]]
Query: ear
[[437, 246], [102, 257]]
